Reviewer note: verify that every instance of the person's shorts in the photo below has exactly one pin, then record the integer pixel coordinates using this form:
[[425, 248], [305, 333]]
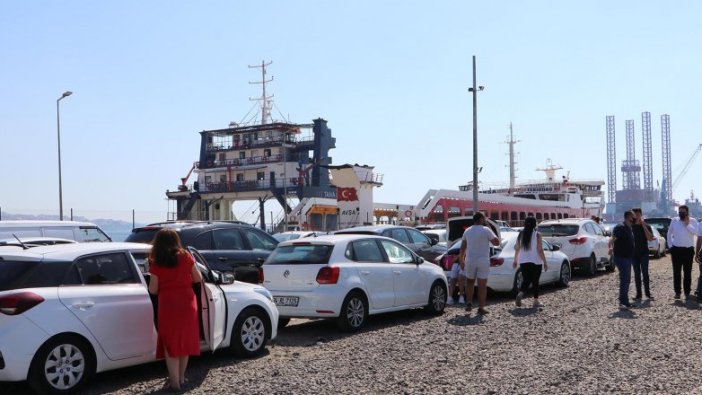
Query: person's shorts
[[475, 270], [456, 271]]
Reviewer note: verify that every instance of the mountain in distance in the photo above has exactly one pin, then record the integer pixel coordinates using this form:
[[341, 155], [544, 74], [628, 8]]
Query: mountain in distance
[[110, 226]]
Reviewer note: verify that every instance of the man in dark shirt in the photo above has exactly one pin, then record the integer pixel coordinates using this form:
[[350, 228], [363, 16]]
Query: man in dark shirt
[[621, 246], [642, 235]]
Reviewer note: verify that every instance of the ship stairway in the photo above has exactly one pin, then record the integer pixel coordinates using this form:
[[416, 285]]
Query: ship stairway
[[188, 207]]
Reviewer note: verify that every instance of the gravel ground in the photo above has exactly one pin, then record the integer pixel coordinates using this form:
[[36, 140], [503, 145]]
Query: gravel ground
[[578, 343]]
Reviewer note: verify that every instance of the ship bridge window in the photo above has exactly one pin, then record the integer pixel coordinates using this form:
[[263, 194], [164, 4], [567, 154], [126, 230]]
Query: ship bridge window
[[554, 197], [242, 154], [267, 152], [525, 195]]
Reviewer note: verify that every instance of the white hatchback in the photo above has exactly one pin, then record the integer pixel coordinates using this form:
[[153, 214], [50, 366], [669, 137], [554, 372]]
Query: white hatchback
[[69, 311], [582, 240], [348, 277]]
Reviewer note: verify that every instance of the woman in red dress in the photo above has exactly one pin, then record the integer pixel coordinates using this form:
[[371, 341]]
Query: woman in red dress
[[173, 272]]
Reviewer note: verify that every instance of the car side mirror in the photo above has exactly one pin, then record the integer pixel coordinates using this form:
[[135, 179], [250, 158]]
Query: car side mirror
[[433, 241], [433, 238], [420, 260], [555, 247], [226, 278]]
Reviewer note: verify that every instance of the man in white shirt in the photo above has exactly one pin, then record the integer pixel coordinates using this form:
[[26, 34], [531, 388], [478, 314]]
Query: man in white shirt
[[681, 239], [475, 259]]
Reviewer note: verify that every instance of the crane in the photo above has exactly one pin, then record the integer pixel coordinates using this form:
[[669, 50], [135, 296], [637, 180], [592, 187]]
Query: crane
[[687, 166], [184, 180]]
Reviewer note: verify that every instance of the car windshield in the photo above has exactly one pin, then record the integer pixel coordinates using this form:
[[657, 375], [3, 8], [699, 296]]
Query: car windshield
[[142, 236], [310, 254], [558, 230], [657, 225], [286, 236]]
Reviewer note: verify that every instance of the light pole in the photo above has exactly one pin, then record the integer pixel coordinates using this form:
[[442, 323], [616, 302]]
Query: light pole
[[475, 90], [58, 134]]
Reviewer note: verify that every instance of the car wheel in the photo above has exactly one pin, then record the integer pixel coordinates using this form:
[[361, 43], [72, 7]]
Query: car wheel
[[354, 312], [657, 254], [518, 280], [564, 276], [251, 332], [283, 322], [62, 365], [611, 265], [437, 298], [592, 267]]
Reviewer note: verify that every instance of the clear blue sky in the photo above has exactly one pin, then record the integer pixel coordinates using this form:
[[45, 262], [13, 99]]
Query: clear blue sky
[[390, 77]]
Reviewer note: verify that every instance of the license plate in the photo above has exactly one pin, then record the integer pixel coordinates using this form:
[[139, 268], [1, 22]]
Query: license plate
[[286, 300]]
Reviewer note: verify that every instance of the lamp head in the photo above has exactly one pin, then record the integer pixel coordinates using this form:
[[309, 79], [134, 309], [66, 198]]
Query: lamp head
[[67, 93]]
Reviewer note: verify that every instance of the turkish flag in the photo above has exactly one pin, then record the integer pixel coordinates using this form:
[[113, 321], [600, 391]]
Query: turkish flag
[[346, 194]]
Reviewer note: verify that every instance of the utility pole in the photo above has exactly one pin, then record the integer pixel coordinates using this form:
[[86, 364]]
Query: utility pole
[[265, 100], [475, 90]]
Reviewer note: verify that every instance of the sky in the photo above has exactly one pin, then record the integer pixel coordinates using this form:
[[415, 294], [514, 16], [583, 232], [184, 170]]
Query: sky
[[390, 78]]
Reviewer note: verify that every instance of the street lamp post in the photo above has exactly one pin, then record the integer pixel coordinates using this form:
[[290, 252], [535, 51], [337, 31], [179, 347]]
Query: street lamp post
[[475, 90], [58, 134]]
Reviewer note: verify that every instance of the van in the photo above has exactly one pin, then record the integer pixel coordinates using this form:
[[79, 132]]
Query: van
[[72, 230], [455, 227]]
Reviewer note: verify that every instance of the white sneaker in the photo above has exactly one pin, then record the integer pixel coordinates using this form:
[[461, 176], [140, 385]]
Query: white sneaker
[[461, 300], [449, 301]]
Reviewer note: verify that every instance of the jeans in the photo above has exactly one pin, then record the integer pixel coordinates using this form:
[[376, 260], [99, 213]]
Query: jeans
[[624, 266], [682, 261], [640, 264], [531, 273]]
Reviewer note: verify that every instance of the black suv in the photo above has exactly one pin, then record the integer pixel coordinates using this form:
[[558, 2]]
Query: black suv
[[227, 246], [417, 241]]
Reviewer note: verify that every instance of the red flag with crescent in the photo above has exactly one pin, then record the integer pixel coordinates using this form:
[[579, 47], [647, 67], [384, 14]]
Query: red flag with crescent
[[346, 194]]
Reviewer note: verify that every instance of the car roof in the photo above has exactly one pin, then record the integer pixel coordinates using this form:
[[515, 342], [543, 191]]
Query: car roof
[[570, 221], [191, 225], [72, 251], [330, 239], [372, 228], [35, 223]]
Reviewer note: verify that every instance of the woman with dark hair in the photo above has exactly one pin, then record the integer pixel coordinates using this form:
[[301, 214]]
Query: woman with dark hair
[[529, 255], [173, 272]]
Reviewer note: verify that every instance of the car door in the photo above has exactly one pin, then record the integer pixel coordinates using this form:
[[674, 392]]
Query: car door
[[554, 266], [230, 250], [213, 302], [375, 272], [408, 280], [422, 245], [260, 245], [602, 244], [107, 295]]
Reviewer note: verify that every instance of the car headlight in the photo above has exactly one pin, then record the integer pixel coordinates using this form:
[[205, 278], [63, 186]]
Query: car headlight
[[266, 293]]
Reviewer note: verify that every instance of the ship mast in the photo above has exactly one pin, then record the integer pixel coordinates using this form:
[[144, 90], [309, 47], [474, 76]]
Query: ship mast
[[265, 100], [512, 158]]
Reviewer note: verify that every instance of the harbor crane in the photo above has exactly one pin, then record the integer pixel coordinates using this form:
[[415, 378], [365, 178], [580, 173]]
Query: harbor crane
[[687, 166]]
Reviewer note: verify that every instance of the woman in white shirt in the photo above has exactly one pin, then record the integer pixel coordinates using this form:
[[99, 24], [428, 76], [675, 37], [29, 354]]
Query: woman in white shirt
[[529, 255]]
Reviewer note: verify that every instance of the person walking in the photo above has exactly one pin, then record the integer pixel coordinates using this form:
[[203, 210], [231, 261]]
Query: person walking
[[698, 259], [529, 255], [475, 259], [681, 238], [173, 272], [621, 247], [642, 235]]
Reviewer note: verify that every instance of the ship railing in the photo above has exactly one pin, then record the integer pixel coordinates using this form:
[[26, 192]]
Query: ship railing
[[247, 185], [253, 160], [259, 143]]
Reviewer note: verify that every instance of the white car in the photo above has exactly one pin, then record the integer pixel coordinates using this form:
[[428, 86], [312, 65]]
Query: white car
[[657, 245], [582, 240], [505, 278], [69, 311], [348, 277], [297, 234]]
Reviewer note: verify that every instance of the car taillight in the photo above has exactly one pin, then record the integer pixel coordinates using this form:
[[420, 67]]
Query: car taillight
[[260, 275], [18, 303], [328, 275], [495, 261], [578, 240]]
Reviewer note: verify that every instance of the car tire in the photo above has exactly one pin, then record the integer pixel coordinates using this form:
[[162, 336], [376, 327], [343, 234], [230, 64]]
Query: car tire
[[437, 298], [354, 312], [564, 275], [657, 254], [62, 365], [591, 269], [611, 265], [518, 280], [251, 333], [283, 322]]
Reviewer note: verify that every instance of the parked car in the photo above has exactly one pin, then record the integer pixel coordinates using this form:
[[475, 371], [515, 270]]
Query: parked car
[[348, 277], [84, 308], [504, 277], [297, 234], [78, 231], [660, 223], [657, 246], [227, 246], [417, 241], [582, 240]]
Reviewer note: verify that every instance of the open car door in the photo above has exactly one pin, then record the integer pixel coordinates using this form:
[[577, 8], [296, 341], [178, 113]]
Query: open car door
[[214, 304]]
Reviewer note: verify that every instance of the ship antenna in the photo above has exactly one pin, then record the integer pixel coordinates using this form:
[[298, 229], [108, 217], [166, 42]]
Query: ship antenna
[[266, 102], [512, 158]]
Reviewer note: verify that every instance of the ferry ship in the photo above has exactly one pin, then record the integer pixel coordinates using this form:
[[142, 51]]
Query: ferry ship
[[546, 199]]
